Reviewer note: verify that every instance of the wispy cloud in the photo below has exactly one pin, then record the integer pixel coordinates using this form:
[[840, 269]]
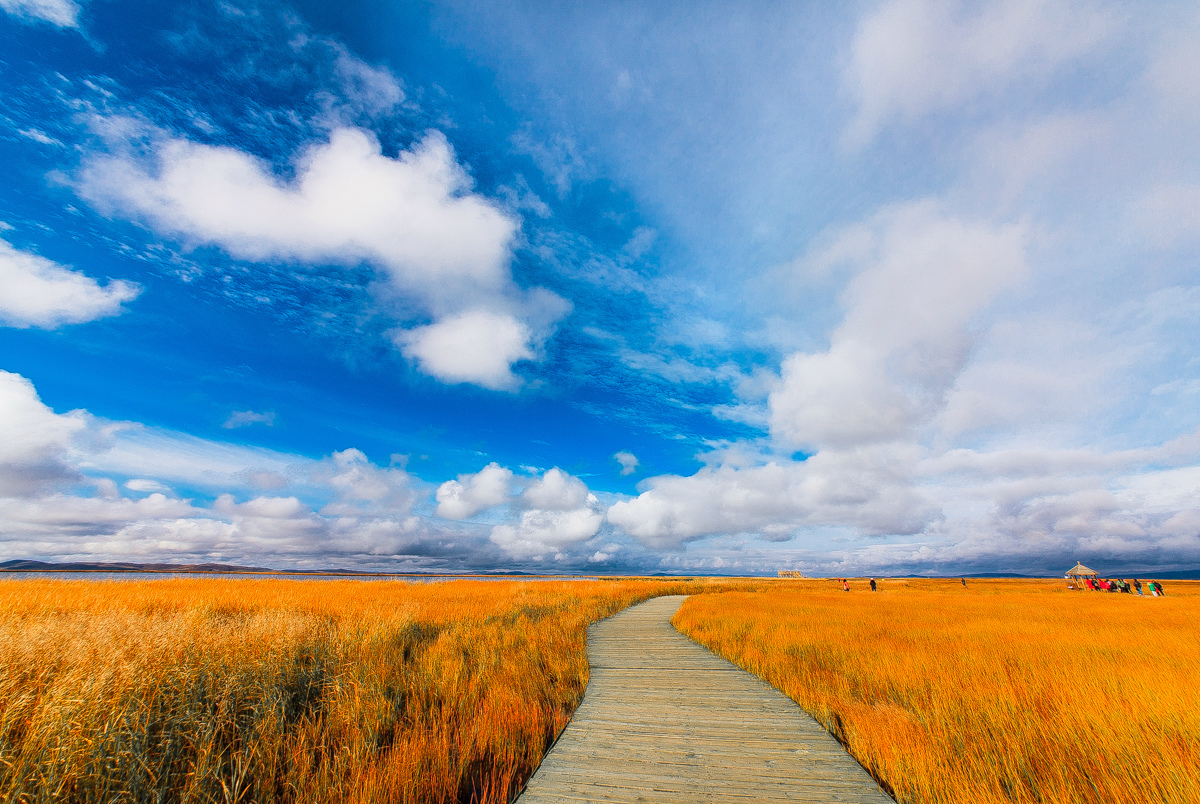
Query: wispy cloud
[[61, 13], [245, 418], [913, 57]]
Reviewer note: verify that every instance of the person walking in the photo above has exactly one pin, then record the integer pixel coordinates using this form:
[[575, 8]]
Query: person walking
[[872, 584], [1137, 585], [964, 581], [845, 585]]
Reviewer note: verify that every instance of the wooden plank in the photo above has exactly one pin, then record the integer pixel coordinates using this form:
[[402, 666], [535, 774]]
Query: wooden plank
[[665, 720]]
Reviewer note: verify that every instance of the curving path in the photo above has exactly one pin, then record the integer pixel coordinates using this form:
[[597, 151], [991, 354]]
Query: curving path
[[666, 720]]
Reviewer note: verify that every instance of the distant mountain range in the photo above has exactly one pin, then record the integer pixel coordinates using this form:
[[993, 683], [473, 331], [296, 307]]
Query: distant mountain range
[[22, 565], [25, 565]]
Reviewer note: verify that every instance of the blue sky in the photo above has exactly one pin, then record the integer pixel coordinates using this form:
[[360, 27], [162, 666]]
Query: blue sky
[[888, 287]]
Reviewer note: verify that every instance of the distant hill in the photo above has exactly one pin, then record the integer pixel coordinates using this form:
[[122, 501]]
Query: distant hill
[[26, 565], [23, 565]]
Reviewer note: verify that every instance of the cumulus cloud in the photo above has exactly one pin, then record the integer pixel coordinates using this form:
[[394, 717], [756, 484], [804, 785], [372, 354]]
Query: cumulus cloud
[[870, 490], [561, 513], [34, 440], [923, 277], [41, 293], [475, 346], [864, 407], [913, 57], [547, 533], [60, 496], [628, 461], [414, 217], [61, 13], [938, 512], [555, 490], [363, 486], [551, 515], [472, 493]]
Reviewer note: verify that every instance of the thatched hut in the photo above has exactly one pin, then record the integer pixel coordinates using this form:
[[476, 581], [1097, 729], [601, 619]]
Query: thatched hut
[[1079, 572]]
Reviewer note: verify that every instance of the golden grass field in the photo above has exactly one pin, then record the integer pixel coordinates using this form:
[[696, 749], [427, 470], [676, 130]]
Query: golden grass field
[[209, 690], [213, 690], [1002, 691]]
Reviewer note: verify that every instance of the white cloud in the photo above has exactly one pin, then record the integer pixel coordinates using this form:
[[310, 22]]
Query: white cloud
[[414, 216], [245, 418], [145, 486], [900, 382], [471, 493], [73, 515], [905, 335], [62, 13], [561, 514], [558, 158], [264, 507], [559, 511], [958, 508], [548, 533], [39, 136], [1027, 374], [628, 461], [362, 486], [37, 292], [555, 491], [34, 440], [913, 57], [133, 450], [475, 346], [869, 489], [375, 90], [437, 243], [59, 499]]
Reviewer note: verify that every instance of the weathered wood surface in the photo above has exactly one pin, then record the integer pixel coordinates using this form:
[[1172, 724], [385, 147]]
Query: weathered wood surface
[[665, 720]]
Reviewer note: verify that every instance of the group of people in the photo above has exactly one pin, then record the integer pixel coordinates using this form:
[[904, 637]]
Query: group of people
[[1122, 585]]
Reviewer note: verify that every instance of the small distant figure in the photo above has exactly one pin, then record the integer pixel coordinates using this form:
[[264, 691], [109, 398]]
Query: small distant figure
[[845, 585], [872, 584], [1137, 585], [1158, 590], [964, 580]]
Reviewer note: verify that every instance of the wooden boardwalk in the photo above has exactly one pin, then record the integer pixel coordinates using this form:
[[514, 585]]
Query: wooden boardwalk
[[665, 720]]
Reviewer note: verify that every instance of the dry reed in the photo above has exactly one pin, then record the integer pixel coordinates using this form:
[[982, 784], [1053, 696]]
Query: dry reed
[[1016, 691], [212, 690]]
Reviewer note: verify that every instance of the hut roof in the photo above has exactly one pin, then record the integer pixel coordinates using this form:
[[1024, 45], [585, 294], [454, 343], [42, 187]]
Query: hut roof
[[1080, 571]]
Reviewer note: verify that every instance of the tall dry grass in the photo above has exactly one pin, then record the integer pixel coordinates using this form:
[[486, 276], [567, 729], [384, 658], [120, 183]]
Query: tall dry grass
[[1000, 691], [290, 691]]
